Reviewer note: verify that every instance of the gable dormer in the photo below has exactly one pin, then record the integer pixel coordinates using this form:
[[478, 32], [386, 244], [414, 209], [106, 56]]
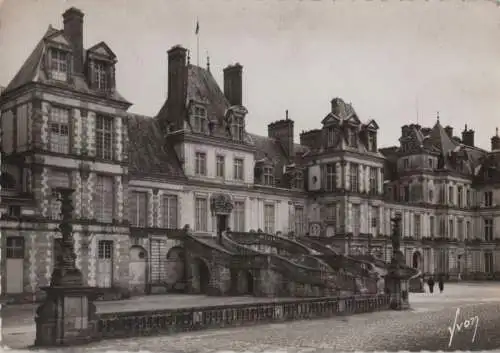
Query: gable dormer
[[264, 172], [100, 68], [198, 118], [58, 57], [235, 122], [370, 136]]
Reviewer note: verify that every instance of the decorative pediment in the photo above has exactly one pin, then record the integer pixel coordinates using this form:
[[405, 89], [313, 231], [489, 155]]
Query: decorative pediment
[[58, 38], [372, 125], [330, 119], [353, 119], [102, 51], [221, 204]]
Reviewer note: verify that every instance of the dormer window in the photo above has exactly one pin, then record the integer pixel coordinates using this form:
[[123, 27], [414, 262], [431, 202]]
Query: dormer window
[[330, 137], [199, 119], [298, 182], [372, 142], [100, 75], [237, 128], [268, 176], [59, 64], [352, 141]]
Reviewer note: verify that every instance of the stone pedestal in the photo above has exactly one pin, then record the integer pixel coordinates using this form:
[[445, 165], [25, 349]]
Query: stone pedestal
[[398, 289], [67, 316]]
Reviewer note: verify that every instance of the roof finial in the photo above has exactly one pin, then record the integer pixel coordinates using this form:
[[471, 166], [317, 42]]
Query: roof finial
[[437, 116], [208, 62], [497, 131], [465, 127], [286, 115], [189, 57]]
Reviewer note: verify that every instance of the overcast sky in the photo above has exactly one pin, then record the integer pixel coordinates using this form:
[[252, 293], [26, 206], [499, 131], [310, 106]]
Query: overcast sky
[[394, 60]]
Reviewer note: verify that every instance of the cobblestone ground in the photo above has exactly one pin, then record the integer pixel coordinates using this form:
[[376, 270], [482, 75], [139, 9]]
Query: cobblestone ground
[[425, 327]]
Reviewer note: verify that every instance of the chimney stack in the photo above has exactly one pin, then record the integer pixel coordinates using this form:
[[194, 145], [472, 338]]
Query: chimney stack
[[73, 30], [468, 137], [177, 85], [449, 131], [282, 130], [495, 142], [311, 138], [233, 82]]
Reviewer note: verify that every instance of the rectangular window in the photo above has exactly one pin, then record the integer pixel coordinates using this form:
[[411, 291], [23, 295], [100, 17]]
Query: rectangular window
[[406, 163], [416, 226], [170, 207], [488, 198], [488, 262], [200, 123], [59, 64], [15, 248], [299, 221], [239, 216], [451, 198], [238, 169], [353, 141], [220, 167], [354, 177], [356, 219], [331, 212], [373, 181], [100, 75], [267, 176], [432, 226], [468, 198], [238, 128], [375, 218], [298, 180], [138, 206], [451, 228], [460, 197], [442, 228], [269, 219], [467, 230], [331, 177], [331, 137], [57, 179], [104, 137], [201, 214], [103, 199], [59, 130], [460, 228], [200, 163], [488, 229], [105, 249]]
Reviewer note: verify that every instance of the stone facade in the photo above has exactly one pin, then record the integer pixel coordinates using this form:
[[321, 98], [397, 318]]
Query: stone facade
[[336, 185]]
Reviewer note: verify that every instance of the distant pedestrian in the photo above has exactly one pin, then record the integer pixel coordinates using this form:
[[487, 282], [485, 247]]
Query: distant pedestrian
[[441, 283], [430, 283]]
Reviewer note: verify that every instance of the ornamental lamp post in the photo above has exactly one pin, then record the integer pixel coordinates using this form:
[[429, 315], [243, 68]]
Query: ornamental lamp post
[[67, 316]]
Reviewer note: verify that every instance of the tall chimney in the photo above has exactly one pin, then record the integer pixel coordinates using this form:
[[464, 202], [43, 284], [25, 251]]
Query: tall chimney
[[282, 130], [495, 142], [177, 85], [233, 82], [468, 137], [73, 29], [449, 131]]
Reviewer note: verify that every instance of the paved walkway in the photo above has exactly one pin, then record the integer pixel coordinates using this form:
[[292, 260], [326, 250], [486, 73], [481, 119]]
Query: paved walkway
[[424, 327]]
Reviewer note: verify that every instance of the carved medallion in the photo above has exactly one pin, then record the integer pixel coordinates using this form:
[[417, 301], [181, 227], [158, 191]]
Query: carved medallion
[[221, 204]]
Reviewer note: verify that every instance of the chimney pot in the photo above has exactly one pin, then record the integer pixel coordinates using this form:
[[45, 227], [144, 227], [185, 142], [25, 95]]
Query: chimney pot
[[177, 86]]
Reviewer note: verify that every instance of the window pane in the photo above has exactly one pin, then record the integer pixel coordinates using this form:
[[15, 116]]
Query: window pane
[[103, 199], [104, 137], [59, 130]]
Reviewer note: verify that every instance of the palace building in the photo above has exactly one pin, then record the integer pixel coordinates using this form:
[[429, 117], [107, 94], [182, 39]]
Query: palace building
[[139, 180]]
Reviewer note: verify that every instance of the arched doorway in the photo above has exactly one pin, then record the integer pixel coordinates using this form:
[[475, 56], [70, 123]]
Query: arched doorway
[[175, 269], [138, 269], [417, 260], [250, 283], [203, 276]]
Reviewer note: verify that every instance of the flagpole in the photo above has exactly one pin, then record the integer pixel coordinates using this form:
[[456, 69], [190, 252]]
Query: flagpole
[[197, 42]]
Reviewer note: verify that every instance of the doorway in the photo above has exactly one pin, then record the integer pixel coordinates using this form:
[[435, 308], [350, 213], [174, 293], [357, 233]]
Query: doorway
[[203, 276], [105, 264], [417, 259], [221, 223], [250, 282], [14, 264]]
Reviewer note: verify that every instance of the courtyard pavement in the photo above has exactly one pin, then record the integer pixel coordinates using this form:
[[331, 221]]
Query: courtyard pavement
[[424, 327]]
